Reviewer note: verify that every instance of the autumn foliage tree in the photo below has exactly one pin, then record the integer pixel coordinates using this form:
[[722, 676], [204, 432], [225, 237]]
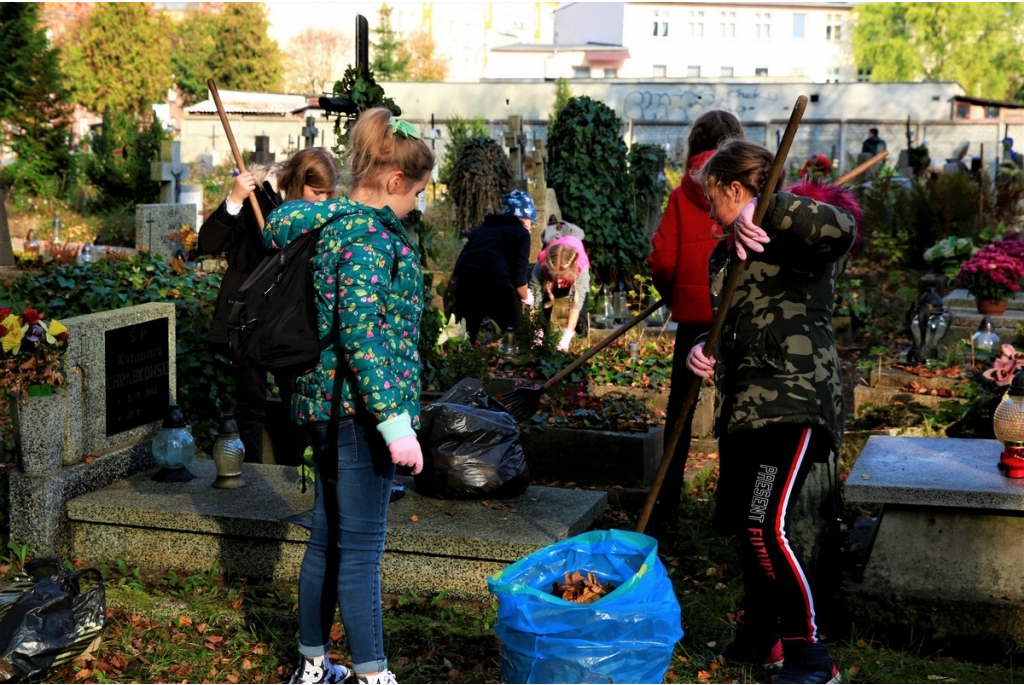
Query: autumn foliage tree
[[424, 64], [316, 58], [978, 45], [246, 57]]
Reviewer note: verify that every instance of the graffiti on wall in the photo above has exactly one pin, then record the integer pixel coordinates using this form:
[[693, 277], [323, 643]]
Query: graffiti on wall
[[686, 105]]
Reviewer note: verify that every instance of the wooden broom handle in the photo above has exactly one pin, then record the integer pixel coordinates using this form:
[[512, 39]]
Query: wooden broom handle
[[778, 168], [234, 148], [858, 170]]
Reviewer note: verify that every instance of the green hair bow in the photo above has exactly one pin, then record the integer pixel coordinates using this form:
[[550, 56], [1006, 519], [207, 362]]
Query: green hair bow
[[404, 128]]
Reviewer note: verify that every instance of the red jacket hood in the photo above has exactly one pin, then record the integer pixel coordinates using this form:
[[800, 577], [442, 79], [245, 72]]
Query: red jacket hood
[[837, 196], [690, 186]]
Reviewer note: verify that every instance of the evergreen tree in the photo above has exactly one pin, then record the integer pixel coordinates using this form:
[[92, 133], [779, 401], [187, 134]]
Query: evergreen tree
[[245, 58], [33, 103], [390, 61], [118, 60], [194, 52]]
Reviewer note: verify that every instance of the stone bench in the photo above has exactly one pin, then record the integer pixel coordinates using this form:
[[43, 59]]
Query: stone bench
[[451, 545], [947, 555]]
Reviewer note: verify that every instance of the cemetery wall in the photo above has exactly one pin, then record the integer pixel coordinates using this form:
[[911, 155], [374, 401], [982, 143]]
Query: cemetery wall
[[658, 112]]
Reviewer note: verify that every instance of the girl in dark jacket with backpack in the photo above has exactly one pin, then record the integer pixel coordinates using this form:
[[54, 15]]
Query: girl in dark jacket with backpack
[[232, 230], [778, 391], [361, 402]]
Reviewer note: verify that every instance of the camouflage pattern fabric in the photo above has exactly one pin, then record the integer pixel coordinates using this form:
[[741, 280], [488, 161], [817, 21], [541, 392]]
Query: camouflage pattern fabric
[[776, 356]]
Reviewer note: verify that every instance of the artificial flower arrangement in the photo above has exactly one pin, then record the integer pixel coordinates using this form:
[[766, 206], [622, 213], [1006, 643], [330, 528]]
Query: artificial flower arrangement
[[995, 271], [30, 351], [1005, 366]]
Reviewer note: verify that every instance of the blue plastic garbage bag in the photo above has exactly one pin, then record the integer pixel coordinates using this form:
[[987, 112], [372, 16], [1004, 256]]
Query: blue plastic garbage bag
[[627, 636]]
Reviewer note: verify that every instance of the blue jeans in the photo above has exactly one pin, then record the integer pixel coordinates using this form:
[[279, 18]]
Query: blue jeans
[[341, 566]]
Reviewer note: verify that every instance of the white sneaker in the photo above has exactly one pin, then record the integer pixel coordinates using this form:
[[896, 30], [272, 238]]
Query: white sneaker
[[383, 678], [309, 673]]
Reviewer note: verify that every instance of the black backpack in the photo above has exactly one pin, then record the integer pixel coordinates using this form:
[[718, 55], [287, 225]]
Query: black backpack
[[272, 322]]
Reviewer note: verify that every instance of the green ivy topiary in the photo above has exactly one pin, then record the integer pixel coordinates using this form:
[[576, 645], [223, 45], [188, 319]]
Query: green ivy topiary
[[481, 175], [587, 169]]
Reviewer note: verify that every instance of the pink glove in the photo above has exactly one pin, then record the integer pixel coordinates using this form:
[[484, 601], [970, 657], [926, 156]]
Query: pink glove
[[748, 235], [563, 344], [698, 364], [406, 452]]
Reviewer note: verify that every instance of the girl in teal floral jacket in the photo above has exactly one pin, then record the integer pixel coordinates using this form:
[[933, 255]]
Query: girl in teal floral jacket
[[361, 402]]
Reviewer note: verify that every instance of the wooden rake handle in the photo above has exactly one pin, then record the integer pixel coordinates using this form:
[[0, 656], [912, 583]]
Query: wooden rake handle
[[234, 148], [778, 168], [612, 337]]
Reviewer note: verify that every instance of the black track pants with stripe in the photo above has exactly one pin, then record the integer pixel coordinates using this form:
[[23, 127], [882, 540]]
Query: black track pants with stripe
[[761, 473]]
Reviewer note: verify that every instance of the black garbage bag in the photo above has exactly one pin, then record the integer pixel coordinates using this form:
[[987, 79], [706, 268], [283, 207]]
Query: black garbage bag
[[50, 621], [471, 447]]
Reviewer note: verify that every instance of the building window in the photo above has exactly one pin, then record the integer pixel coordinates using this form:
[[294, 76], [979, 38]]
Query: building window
[[659, 71], [762, 25], [761, 71], [660, 27], [963, 110], [696, 24], [727, 72], [581, 72], [611, 73], [728, 24], [693, 71], [798, 25], [833, 75], [834, 27], [863, 75], [991, 112]]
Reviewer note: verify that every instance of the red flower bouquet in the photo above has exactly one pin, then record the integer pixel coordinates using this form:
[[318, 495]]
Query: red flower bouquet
[[995, 271]]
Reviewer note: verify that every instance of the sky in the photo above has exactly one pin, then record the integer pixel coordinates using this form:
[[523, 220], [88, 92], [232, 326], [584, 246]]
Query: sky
[[288, 18]]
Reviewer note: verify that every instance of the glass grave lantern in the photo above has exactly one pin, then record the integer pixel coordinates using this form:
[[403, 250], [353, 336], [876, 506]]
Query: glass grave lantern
[[1008, 425], [985, 340], [928, 325], [174, 448], [228, 455]]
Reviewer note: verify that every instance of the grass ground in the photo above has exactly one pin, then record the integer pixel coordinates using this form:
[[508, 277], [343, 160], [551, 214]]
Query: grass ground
[[169, 626]]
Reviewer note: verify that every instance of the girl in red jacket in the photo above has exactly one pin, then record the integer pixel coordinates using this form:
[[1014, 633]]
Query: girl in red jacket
[[679, 268]]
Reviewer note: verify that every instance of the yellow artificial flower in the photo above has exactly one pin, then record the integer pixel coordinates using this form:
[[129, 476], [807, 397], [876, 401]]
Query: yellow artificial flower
[[54, 329], [11, 321], [12, 341]]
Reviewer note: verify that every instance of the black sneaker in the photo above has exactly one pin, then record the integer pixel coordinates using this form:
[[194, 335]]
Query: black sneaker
[[309, 672], [808, 663], [751, 650]]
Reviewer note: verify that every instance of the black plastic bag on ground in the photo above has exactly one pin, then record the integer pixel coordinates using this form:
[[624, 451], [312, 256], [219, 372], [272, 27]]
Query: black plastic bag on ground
[[471, 447], [50, 620]]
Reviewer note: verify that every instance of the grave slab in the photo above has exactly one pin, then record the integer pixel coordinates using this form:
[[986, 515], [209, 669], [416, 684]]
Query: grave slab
[[947, 553], [120, 374], [452, 545], [155, 223]]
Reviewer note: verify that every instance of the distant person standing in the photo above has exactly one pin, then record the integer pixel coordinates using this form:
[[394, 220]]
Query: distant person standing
[[873, 144]]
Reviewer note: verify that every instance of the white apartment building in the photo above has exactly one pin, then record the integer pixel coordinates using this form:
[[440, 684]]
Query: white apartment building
[[748, 41]]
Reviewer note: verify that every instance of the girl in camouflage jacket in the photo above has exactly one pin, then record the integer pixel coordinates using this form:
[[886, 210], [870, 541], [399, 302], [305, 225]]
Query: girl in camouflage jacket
[[779, 393], [361, 401]]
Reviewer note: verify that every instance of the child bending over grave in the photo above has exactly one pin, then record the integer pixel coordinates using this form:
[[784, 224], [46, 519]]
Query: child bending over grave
[[562, 275], [232, 230]]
